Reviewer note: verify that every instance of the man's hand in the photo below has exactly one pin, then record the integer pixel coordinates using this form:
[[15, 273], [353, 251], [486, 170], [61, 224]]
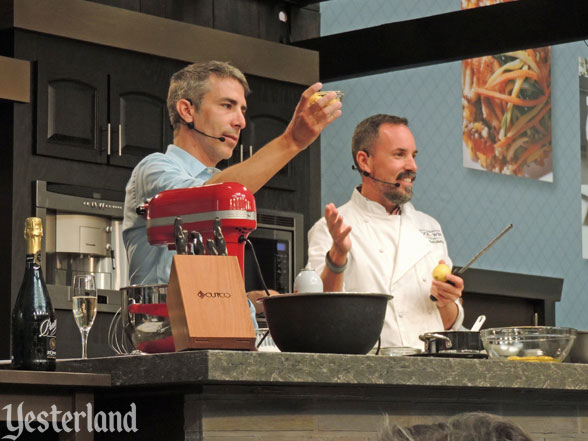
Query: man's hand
[[339, 232], [446, 294], [308, 120], [305, 126], [333, 282]]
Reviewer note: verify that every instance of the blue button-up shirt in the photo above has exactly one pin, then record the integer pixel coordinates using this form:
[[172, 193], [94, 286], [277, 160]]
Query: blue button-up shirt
[[157, 172]]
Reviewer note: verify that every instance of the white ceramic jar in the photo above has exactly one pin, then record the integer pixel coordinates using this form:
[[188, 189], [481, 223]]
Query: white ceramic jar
[[308, 280]]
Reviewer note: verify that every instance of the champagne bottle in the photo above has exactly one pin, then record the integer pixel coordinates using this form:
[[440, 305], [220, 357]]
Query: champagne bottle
[[34, 326]]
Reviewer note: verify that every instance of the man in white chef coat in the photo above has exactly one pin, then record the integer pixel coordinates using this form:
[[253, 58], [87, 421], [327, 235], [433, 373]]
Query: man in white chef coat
[[378, 242]]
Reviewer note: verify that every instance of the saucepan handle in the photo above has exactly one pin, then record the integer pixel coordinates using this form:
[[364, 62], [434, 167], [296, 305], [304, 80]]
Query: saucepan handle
[[430, 337]]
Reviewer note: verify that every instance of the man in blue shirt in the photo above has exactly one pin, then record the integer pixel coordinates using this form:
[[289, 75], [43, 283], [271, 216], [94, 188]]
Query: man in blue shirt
[[206, 104]]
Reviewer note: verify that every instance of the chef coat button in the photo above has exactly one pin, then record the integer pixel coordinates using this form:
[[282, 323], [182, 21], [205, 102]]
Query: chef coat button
[[400, 314], [424, 279], [381, 251]]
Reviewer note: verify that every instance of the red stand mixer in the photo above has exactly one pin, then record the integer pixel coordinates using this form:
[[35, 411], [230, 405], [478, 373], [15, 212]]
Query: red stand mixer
[[173, 215]]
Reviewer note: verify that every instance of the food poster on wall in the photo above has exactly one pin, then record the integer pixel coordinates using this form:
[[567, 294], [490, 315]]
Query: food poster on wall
[[506, 108], [583, 82]]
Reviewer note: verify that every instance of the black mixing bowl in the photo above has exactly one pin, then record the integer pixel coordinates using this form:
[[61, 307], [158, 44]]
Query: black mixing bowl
[[337, 323]]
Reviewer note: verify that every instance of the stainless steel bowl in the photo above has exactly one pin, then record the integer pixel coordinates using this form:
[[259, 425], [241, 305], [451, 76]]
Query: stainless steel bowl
[[145, 318], [528, 343]]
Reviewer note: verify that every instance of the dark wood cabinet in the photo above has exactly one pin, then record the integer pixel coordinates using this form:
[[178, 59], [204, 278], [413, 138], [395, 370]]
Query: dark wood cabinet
[[97, 106], [70, 102], [138, 111]]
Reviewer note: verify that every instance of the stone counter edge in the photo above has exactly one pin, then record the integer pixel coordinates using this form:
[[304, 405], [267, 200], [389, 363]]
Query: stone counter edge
[[236, 367]]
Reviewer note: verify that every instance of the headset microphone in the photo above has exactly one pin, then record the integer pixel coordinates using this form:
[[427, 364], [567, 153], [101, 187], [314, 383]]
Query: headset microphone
[[191, 126], [367, 175]]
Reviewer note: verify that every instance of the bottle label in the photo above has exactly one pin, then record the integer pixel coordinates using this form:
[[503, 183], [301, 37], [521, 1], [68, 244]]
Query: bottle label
[[34, 344], [48, 329], [51, 348]]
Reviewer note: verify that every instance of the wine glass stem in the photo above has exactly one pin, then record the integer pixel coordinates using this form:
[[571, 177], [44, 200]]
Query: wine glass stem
[[84, 333]]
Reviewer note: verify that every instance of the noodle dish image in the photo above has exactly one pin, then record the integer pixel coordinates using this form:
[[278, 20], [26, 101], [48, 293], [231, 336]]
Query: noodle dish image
[[506, 110]]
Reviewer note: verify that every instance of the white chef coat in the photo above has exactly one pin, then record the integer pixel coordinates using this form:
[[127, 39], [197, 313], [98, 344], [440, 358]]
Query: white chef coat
[[390, 254]]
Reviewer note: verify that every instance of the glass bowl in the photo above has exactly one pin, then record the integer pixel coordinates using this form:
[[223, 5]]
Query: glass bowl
[[528, 343]]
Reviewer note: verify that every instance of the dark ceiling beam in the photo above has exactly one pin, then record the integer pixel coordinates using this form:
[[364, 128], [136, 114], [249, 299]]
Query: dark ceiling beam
[[449, 37]]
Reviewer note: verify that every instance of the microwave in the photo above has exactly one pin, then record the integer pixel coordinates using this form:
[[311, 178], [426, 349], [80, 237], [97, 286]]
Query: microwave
[[278, 242]]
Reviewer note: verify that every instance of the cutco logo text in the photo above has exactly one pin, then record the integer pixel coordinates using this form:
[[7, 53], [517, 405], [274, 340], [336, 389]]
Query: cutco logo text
[[214, 295]]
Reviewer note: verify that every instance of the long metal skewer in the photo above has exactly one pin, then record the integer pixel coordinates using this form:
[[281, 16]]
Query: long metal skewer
[[482, 251], [463, 269]]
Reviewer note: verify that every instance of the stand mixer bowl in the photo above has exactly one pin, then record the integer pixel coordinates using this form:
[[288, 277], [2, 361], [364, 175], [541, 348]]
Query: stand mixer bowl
[[145, 319]]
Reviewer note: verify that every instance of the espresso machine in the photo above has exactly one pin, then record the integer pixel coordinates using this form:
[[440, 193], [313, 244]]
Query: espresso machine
[[79, 244], [82, 235]]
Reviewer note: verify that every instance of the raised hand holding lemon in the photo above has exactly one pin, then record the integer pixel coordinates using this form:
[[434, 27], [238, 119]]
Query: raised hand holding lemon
[[318, 95]]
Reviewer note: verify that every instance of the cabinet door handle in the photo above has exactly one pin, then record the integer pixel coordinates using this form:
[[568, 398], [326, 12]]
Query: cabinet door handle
[[241, 151], [250, 151], [120, 128], [108, 141]]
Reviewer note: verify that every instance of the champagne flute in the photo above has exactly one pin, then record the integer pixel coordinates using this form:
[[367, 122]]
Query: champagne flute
[[85, 303]]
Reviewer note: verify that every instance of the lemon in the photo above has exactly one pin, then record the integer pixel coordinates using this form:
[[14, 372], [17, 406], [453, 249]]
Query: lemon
[[441, 271], [318, 95]]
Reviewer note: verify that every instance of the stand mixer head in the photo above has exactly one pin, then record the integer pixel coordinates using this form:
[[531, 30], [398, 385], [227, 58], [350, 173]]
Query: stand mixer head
[[198, 207]]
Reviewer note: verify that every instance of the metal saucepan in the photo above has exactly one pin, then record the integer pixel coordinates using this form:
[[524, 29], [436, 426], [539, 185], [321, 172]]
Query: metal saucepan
[[452, 341]]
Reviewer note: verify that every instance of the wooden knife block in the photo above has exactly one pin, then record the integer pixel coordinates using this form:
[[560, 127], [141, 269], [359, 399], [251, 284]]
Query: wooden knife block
[[207, 304]]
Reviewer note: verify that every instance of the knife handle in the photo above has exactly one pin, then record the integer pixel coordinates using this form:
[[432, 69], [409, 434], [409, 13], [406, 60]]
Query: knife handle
[[197, 244], [211, 247]]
